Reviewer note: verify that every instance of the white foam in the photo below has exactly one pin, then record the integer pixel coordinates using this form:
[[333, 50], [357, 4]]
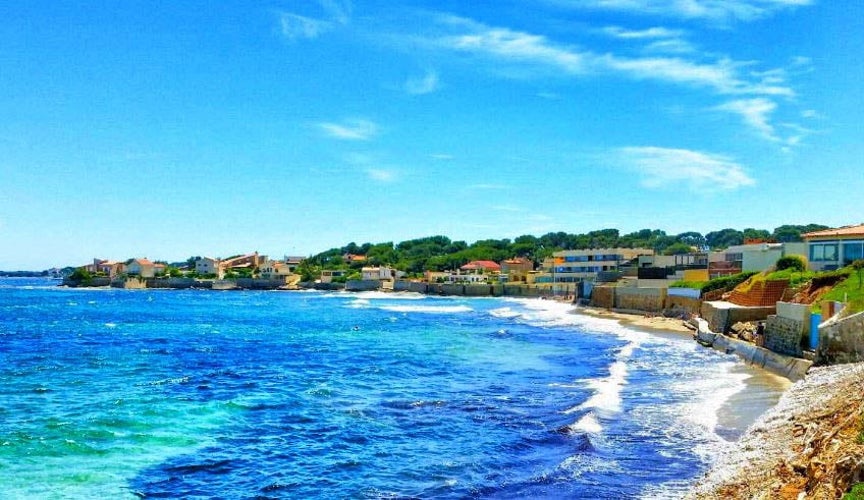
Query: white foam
[[588, 423], [504, 312], [359, 304], [426, 309]]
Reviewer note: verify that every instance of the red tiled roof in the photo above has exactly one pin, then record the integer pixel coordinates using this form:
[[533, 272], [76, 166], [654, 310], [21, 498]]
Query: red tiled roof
[[855, 230], [481, 264]]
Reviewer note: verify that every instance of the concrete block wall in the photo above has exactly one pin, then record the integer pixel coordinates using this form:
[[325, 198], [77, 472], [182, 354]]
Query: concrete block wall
[[841, 340], [783, 335]]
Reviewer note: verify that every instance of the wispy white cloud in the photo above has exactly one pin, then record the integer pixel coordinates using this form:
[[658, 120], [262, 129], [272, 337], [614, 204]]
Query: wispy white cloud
[[711, 10], [515, 46], [650, 33], [426, 84], [338, 10], [756, 114], [667, 167], [442, 156], [350, 130], [722, 75], [381, 175], [670, 46], [295, 26], [552, 96], [488, 187], [509, 208]]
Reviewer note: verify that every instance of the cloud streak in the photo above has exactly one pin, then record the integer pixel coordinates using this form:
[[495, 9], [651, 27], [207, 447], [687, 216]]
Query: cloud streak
[[755, 113], [422, 85], [710, 10], [350, 130], [295, 26], [724, 75], [667, 167]]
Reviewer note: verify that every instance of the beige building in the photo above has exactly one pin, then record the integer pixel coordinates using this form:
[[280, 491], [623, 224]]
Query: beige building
[[144, 268], [516, 270], [571, 266], [208, 266]]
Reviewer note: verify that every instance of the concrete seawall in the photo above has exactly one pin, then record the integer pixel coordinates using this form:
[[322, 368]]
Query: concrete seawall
[[791, 368]]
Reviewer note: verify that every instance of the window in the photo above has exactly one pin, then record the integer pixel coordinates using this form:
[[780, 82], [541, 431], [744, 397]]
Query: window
[[852, 252], [823, 252]]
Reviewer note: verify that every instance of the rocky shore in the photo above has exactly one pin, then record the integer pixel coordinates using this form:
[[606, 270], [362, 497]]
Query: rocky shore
[[809, 446]]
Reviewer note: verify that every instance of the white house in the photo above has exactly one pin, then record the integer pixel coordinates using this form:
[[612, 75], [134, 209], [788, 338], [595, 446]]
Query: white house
[[208, 265]]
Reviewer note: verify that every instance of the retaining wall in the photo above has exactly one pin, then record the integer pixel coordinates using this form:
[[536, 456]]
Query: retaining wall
[[640, 299], [362, 285], [410, 286], [841, 340], [683, 305], [603, 296], [722, 315]]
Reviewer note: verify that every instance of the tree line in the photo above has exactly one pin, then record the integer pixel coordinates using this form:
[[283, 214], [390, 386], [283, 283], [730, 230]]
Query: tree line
[[440, 253]]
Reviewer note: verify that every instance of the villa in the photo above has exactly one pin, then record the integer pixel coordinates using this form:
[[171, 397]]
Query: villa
[[834, 248]]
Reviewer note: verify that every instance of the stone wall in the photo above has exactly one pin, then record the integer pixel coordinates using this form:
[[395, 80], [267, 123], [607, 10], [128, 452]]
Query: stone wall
[[640, 299], [362, 285], [783, 335], [682, 305], [841, 340], [603, 296], [410, 286]]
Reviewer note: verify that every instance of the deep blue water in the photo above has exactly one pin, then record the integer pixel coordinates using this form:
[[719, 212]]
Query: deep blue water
[[165, 394]]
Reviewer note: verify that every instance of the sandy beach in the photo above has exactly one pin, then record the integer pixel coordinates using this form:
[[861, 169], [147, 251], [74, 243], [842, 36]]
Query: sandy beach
[[650, 322]]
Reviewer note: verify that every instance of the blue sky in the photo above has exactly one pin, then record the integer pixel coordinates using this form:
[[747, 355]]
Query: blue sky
[[290, 127]]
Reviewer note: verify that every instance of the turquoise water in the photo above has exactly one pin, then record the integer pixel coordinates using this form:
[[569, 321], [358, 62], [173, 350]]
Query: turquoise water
[[165, 394]]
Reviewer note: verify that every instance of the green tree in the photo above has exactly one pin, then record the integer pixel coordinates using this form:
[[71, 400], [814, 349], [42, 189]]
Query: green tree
[[794, 262], [677, 249], [81, 276], [756, 234], [858, 266], [724, 238]]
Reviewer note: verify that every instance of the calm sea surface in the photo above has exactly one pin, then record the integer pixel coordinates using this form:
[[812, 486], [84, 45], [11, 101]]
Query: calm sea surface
[[164, 394]]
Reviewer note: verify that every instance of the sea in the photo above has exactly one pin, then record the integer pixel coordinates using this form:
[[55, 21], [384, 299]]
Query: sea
[[110, 393]]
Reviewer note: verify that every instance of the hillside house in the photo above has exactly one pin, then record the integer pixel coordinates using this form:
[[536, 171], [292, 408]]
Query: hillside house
[[834, 248]]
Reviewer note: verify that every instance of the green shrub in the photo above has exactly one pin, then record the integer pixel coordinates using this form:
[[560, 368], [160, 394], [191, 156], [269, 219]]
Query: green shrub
[[794, 262], [727, 282], [856, 493], [688, 284]]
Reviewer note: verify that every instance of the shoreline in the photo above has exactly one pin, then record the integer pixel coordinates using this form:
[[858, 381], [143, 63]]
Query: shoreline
[[807, 445], [802, 439], [763, 388]]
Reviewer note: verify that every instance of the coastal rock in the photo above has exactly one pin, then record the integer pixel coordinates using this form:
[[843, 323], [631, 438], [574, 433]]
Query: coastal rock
[[807, 446]]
